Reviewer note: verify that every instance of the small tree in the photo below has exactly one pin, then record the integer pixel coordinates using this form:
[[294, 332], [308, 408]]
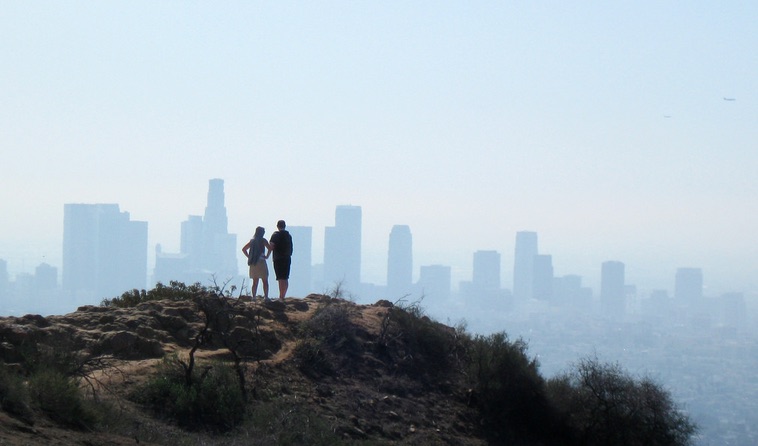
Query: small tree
[[510, 393], [604, 405]]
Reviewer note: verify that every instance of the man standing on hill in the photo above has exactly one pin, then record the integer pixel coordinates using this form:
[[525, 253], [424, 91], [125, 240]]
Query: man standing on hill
[[281, 246]]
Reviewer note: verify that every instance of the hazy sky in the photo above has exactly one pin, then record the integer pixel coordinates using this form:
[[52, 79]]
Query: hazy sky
[[600, 125]]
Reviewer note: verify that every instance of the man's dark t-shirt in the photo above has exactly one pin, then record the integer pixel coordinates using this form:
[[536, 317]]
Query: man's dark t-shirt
[[282, 241]]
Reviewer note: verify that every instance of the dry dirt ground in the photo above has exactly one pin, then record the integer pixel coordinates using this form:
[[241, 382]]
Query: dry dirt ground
[[368, 388]]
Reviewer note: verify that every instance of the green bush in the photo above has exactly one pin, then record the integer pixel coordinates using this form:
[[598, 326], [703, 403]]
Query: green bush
[[420, 346], [311, 358], [509, 391], [288, 423], [61, 399], [14, 395], [331, 324], [605, 405], [176, 291], [212, 399]]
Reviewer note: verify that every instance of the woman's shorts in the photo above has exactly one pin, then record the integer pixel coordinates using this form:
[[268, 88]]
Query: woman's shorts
[[259, 270]]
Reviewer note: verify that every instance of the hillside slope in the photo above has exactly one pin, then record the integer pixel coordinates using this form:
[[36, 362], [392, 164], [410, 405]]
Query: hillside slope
[[347, 371]]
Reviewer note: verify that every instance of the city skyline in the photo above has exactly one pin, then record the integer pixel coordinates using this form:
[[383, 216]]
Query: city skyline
[[601, 127], [486, 273]]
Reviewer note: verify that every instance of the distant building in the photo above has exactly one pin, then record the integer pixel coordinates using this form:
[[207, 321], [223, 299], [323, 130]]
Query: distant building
[[484, 291], [208, 251], [342, 249], [523, 265], [568, 291], [45, 278], [400, 262], [486, 272], [733, 311], [542, 277], [688, 286], [612, 290], [104, 252], [301, 274], [434, 283]]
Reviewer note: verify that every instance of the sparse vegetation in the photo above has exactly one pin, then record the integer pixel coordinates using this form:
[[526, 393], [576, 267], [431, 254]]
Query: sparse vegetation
[[509, 391], [61, 399], [606, 405], [211, 400], [174, 291], [343, 374]]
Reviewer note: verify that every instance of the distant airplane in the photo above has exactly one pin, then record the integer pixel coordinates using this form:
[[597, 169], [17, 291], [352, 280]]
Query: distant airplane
[[729, 99]]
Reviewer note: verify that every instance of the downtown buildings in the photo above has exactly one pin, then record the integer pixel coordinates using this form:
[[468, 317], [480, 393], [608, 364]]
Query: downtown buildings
[[208, 252], [104, 252]]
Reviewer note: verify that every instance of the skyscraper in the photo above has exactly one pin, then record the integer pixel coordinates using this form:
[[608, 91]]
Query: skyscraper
[[486, 273], [400, 262], [612, 290], [104, 252], [301, 282], [434, 283], [207, 249], [542, 277], [342, 249], [688, 286], [523, 265], [219, 247]]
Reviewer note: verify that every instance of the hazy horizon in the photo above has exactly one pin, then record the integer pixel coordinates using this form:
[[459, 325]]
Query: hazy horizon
[[604, 129]]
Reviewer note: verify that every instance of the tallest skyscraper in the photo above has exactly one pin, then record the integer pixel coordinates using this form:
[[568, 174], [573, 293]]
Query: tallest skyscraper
[[207, 251], [218, 245]]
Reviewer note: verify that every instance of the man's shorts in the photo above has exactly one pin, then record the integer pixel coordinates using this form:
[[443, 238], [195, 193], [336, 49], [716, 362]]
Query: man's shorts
[[282, 268], [259, 270]]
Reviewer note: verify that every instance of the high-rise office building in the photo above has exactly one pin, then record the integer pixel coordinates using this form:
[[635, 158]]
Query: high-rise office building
[[542, 277], [104, 252], [486, 272], [688, 285], [523, 265], [208, 251], [434, 283], [569, 292], [342, 249], [612, 289], [734, 311], [219, 247], [46, 278], [301, 282], [191, 241], [400, 262]]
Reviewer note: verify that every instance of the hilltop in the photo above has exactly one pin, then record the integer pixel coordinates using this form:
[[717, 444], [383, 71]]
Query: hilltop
[[317, 370]]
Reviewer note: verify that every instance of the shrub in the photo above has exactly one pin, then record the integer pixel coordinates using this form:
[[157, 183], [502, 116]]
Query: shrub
[[605, 405], [311, 358], [287, 423], [176, 291], [331, 324], [60, 398], [420, 345], [509, 392], [212, 399], [14, 396]]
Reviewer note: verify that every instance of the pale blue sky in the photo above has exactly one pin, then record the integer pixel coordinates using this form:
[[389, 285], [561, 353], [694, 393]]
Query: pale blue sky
[[467, 121]]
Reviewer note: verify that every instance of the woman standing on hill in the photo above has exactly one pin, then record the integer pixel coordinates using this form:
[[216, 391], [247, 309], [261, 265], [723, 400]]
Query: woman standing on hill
[[256, 259]]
